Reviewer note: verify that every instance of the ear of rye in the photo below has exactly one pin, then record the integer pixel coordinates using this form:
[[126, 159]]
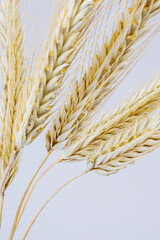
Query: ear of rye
[[136, 107], [47, 81], [12, 75], [102, 77], [125, 148]]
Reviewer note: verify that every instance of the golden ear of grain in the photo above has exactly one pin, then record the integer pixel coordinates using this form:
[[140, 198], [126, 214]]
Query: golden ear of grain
[[135, 108], [2, 110], [3, 63], [126, 147], [102, 77], [72, 19], [13, 79]]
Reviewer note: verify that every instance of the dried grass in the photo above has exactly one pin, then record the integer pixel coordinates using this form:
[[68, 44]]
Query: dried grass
[[12, 72], [136, 107], [23, 113], [126, 147], [46, 84], [110, 143], [103, 75]]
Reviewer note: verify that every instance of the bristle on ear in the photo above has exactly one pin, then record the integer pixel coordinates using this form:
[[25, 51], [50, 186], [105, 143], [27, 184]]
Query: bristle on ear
[[139, 105], [103, 74], [72, 19], [126, 147], [13, 81]]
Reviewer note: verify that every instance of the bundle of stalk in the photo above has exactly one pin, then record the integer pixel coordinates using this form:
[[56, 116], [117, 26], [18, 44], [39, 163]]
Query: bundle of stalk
[[135, 108], [126, 147], [102, 76], [24, 112], [46, 84]]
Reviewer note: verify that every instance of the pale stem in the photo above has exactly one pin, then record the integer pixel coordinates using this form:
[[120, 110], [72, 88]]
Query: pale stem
[[44, 205], [1, 208], [24, 195], [33, 187]]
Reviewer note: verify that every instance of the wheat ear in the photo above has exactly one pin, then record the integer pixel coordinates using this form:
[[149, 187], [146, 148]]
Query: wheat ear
[[102, 77], [125, 148], [72, 19], [21, 116], [12, 72], [136, 107]]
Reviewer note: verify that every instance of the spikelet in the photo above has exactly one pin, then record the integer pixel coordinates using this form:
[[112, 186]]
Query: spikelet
[[12, 75], [136, 107], [125, 148], [71, 20], [102, 77], [2, 110]]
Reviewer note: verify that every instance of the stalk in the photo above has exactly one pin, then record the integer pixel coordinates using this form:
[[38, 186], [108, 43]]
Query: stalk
[[31, 190], [23, 197], [48, 200], [1, 208]]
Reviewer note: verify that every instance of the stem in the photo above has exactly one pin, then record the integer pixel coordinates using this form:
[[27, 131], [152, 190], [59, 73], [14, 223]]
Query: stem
[[44, 205], [31, 190], [1, 208], [24, 195]]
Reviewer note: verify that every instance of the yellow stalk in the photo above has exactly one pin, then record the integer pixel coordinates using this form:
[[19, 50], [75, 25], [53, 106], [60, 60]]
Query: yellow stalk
[[48, 200]]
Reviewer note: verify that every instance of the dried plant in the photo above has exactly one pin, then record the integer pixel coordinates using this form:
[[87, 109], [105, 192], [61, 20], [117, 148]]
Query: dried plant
[[25, 112], [12, 72], [72, 19], [127, 146], [103, 75], [118, 152], [85, 64], [136, 107]]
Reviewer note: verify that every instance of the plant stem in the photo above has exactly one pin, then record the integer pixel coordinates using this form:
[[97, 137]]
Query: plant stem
[[44, 205], [31, 190], [14, 226], [1, 208]]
